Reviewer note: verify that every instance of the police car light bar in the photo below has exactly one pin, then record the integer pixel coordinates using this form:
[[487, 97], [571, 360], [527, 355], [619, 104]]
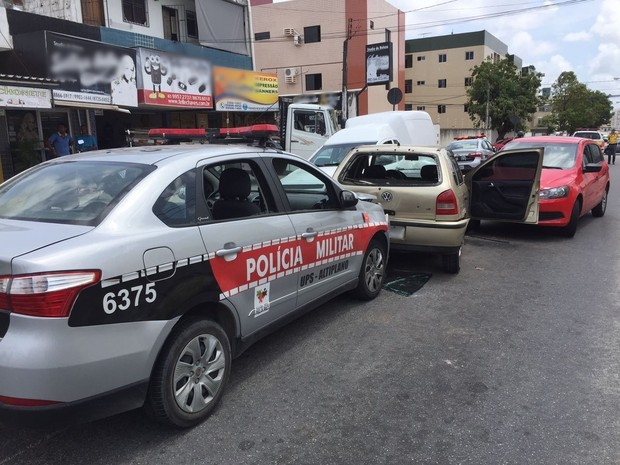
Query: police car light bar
[[256, 131]]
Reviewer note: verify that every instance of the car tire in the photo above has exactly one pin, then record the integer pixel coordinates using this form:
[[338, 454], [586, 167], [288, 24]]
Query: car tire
[[571, 228], [452, 262], [190, 375], [372, 273], [473, 225], [599, 210]]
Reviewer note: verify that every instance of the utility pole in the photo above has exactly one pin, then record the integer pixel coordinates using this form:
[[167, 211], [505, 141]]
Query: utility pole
[[344, 102], [486, 121]]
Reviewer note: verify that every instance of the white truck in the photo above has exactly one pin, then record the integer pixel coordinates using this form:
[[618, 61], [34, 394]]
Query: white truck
[[389, 127], [304, 128]]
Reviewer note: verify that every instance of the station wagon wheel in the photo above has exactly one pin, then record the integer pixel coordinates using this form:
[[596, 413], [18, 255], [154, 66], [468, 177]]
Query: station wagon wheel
[[599, 210], [452, 261], [190, 376], [372, 273]]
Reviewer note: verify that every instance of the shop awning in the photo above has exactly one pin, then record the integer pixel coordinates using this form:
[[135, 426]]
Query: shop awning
[[90, 106]]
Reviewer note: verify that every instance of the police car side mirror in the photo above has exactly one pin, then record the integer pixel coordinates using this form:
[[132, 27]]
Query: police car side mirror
[[347, 199]]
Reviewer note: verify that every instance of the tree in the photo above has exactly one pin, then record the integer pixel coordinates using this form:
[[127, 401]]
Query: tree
[[575, 106], [510, 94]]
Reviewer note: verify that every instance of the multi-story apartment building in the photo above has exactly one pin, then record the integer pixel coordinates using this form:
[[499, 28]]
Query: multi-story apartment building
[[314, 46], [438, 71], [113, 65]]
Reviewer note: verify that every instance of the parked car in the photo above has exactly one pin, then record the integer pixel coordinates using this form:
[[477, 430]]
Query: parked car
[[470, 151], [574, 180], [132, 277], [595, 135], [498, 145], [428, 200]]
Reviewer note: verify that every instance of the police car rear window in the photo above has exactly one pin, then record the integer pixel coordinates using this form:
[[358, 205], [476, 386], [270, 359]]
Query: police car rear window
[[72, 193]]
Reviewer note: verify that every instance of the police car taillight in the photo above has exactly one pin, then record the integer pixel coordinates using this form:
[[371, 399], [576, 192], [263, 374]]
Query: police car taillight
[[44, 294]]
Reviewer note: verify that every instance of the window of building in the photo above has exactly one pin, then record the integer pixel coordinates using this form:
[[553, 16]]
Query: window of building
[[442, 83], [421, 58], [443, 58], [408, 61], [312, 34], [466, 108], [469, 55], [408, 106], [408, 86], [192, 24], [372, 24], [421, 108], [420, 83], [441, 108], [262, 35], [314, 81], [134, 11], [468, 81]]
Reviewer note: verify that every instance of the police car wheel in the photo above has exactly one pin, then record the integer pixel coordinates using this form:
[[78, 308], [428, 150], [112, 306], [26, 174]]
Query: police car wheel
[[373, 271], [190, 375]]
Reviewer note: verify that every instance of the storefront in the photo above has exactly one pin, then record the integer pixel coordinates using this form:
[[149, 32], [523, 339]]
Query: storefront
[[26, 118]]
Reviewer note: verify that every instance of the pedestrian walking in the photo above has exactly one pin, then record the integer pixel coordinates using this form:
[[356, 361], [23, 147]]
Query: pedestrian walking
[[60, 142], [610, 150], [85, 142]]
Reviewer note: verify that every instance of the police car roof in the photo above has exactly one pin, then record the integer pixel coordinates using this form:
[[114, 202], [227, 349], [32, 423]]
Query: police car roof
[[157, 154]]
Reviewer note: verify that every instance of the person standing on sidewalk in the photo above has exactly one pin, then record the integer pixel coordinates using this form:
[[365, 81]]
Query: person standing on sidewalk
[[611, 147]]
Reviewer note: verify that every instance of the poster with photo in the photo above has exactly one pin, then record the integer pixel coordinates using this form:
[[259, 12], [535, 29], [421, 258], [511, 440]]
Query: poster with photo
[[378, 63]]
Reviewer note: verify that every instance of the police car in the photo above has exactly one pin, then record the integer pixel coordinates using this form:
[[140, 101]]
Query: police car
[[132, 277]]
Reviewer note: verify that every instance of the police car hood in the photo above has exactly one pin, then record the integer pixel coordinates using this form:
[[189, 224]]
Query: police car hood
[[21, 237]]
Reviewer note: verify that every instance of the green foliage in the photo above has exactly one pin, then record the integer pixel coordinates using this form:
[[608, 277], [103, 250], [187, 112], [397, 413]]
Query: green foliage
[[512, 96], [575, 106]]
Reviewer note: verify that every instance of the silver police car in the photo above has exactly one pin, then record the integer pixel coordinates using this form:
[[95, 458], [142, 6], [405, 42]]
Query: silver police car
[[132, 277]]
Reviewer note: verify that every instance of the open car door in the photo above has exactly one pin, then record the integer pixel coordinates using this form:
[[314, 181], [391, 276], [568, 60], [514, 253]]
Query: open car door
[[506, 187]]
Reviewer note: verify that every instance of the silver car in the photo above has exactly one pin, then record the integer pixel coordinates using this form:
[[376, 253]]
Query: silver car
[[469, 152], [133, 277]]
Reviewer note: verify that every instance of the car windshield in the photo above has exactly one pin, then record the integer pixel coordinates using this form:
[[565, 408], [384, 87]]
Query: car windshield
[[79, 192], [557, 155], [332, 155], [463, 144], [403, 169]]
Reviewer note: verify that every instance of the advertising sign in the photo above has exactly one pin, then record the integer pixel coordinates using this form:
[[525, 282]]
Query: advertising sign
[[170, 80], [25, 97], [378, 63], [243, 90], [91, 72]]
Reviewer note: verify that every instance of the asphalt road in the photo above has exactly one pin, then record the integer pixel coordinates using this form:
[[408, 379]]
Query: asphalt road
[[516, 360]]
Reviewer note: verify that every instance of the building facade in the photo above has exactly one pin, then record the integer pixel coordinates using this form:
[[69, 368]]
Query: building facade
[[114, 65], [438, 71], [319, 50]]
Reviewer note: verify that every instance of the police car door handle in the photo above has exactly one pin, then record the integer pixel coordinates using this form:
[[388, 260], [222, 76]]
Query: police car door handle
[[229, 252], [309, 234]]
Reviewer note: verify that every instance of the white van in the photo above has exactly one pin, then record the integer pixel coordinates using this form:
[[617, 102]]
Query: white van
[[390, 127]]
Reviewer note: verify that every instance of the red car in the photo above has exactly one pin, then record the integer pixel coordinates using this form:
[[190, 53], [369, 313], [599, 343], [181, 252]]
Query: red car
[[574, 180]]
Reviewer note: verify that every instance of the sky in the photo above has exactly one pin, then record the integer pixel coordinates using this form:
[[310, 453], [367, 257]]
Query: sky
[[582, 36]]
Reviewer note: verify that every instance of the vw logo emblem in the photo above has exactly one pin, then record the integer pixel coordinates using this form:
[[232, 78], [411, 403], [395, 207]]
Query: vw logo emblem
[[387, 196]]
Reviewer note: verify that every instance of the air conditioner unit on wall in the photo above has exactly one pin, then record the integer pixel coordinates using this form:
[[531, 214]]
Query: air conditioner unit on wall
[[290, 75], [297, 40], [289, 31]]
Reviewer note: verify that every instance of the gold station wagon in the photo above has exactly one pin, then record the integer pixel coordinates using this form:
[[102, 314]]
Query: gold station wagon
[[430, 203]]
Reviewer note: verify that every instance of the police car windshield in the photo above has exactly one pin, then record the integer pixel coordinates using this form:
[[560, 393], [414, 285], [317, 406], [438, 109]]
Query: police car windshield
[[80, 192], [332, 155]]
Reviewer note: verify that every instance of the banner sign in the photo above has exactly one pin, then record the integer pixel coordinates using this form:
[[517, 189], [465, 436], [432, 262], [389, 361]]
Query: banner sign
[[25, 97], [170, 80], [91, 72], [378, 63], [243, 90]]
